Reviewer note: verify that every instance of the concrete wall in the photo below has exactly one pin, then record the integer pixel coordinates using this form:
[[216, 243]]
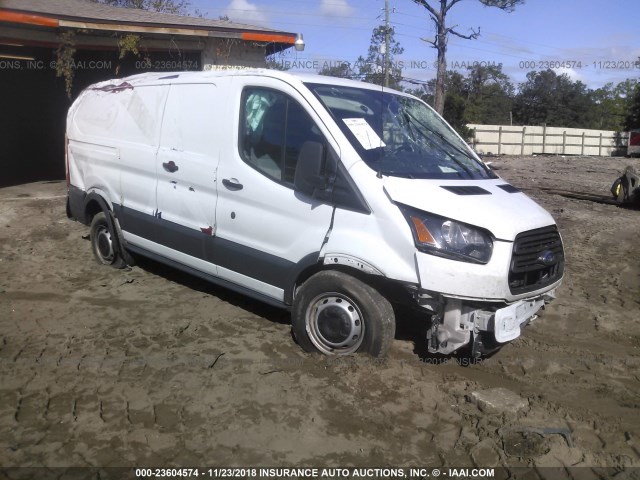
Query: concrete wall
[[528, 140]]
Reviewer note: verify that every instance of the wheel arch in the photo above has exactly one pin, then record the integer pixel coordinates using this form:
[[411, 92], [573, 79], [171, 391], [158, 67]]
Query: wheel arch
[[96, 203], [305, 268], [394, 291]]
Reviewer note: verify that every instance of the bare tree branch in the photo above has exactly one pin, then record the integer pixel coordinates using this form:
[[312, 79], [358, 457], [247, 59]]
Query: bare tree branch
[[439, 17], [507, 5], [432, 42], [453, 2], [472, 36], [426, 5], [436, 23]]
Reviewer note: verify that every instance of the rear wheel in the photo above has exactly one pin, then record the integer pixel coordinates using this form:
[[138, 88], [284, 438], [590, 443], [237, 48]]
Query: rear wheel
[[105, 248], [337, 314]]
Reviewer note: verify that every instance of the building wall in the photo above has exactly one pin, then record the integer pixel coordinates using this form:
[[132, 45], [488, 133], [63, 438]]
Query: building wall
[[232, 52], [34, 101]]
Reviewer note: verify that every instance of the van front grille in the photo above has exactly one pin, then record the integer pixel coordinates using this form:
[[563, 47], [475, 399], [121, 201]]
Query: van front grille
[[537, 260]]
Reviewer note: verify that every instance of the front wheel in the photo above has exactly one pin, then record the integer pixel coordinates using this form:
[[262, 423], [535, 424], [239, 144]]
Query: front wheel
[[337, 314], [103, 243]]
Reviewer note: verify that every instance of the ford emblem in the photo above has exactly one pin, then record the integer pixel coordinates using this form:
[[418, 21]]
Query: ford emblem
[[547, 257]]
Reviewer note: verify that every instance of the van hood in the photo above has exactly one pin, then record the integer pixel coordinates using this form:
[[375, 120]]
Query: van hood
[[491, 204]]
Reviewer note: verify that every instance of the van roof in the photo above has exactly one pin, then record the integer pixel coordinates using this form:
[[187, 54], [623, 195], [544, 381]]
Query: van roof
[[156, 78]]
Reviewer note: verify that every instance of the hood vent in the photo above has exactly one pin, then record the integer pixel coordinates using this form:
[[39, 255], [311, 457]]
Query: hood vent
[[467, 190], [509, 188]]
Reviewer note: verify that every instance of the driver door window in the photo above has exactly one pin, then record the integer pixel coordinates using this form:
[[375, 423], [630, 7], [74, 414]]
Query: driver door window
[[273, 128]]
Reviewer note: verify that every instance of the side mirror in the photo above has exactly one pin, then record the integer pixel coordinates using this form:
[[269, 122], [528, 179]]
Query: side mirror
[[310, 177]]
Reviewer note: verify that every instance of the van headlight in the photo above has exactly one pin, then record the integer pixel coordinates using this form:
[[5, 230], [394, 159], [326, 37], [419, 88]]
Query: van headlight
[[448, 238]]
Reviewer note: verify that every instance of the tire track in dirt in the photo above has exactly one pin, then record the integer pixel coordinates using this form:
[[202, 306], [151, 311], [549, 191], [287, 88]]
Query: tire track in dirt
[[151, 367]]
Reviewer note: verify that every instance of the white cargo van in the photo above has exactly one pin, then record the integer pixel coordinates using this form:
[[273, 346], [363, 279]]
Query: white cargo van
[[332, 198]]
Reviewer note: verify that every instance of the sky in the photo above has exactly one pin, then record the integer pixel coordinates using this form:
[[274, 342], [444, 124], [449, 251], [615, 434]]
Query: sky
[[594, 41]]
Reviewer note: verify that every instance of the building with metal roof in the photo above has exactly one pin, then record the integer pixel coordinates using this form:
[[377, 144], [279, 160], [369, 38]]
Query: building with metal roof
[[51, 50], [40, 22]]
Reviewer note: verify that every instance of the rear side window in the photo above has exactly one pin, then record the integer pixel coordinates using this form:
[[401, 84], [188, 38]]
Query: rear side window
[[273, 129]]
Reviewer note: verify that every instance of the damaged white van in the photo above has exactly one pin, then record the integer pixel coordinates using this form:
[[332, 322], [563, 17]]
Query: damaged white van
[[332, 198]]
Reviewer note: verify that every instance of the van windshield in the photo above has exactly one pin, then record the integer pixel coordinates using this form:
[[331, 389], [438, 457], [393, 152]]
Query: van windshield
[[398, 135]]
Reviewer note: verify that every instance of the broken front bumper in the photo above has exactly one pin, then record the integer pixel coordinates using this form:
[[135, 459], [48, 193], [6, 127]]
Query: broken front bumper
[[461, 322]]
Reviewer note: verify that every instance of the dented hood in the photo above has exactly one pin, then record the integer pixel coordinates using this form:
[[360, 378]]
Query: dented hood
[[503, 212]]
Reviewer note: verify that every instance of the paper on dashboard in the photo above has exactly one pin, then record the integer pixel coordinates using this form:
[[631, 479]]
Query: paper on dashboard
[[366, 135]]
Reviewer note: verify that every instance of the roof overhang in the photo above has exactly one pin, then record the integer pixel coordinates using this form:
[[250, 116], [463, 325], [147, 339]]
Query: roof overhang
[[277, 41]]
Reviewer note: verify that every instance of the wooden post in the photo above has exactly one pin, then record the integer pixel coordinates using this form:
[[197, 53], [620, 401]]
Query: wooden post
[[524, 132], [600, 146], [582, 151], [544, 137], [499, 139], [564, 142]]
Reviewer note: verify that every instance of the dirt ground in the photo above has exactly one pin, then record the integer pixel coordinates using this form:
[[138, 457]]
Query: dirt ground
[[151, 367]]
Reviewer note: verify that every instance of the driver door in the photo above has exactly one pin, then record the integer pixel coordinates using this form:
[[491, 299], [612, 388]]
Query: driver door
[[266, 230]]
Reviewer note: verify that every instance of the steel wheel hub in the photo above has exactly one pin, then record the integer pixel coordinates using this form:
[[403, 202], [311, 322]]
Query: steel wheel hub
[[334, 324], [104, 244]]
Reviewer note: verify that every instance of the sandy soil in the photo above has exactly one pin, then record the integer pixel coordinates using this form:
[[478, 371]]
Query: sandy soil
[[150, 367]]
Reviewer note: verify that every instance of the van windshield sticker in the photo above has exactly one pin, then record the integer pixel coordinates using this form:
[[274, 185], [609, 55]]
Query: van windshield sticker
[[366, 135]]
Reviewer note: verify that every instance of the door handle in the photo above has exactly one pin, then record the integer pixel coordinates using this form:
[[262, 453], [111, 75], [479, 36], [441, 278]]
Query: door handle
[[232, 184], [170, 166]]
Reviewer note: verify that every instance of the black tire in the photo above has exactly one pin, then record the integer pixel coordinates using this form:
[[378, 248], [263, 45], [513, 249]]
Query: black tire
[[617, 190], [104, 243], [615, 186], [337, 314]]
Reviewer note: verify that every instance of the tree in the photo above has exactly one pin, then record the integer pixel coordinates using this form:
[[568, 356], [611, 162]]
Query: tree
[[632, 119], [611, 104], [489, 95], [438, 15], [455, 103], [549, 98], [455, 113], [178, 7], [455, 84], [372, 68], [342, 70], [484, 95]]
